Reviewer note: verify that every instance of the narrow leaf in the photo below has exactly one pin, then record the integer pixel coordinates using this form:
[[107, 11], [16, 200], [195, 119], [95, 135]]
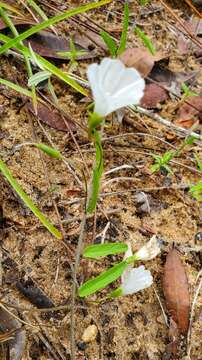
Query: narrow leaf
[[49, 151], [38, 77], [6, 172], [95, 251], [110, 42], [104, 279], [51, 21], [123, 40], [147, 42]]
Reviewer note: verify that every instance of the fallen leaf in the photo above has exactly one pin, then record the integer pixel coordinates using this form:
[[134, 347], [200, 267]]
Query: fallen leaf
[[184, 44], [8, 324], [140, 59], [34, 294], [176, 291], [49, 45], [17, 22], [153, 95], [190, 112], [52, 117]]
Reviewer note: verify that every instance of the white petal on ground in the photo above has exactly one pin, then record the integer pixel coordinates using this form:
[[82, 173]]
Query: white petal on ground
[[137, 279], [150, 250]]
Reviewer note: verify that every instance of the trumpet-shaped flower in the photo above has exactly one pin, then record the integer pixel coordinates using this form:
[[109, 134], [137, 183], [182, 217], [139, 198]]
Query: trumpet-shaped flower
[[150, 250], [133, 279], [114, 86], [136, 279]]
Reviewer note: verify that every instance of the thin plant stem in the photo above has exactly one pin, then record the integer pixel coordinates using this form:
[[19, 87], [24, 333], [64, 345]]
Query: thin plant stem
[[12, 27], [74, 286]]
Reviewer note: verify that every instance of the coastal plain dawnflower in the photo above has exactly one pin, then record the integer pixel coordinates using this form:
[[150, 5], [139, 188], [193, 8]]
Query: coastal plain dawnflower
[[135, 279], [114, 86]]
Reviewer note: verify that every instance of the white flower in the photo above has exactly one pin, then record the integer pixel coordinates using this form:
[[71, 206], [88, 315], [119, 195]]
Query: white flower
[[136, 279], [114, 86], [150, 250]]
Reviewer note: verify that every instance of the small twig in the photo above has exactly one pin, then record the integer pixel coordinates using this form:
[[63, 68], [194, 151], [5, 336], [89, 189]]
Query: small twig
[[189, 33], [167, 123], [161, 306], [102, 234], [121, 178], [74, 287], [125, 166], [198, 289]]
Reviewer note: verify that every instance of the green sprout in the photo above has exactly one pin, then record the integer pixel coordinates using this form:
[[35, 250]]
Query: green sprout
[[196, 191], [198, 162], [147, 42], [187, 91], [72, 55], [161, 162]]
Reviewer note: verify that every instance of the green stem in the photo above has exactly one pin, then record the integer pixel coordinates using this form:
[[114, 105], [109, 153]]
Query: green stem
[[94, 121], [12, 27]]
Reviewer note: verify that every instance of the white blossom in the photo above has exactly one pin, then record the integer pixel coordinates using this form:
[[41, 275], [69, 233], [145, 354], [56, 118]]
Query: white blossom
[[135, 279], [150, 250], [114, 86]]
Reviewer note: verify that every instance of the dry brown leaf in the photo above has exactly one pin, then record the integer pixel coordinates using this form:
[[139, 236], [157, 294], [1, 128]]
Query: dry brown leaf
[[52, 117], [190, 112], [140, 59], [48, 45], [153, 95], [18, 341], [176, 291]]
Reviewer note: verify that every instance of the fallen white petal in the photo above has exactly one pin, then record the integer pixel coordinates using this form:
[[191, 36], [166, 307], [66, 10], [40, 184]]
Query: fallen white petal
[[150, 250]]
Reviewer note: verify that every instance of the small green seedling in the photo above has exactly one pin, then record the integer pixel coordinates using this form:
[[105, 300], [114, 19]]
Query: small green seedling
[[196, 191], [161, 162], [72, 55], [144, 2], [198, 162], [147, 42], [187, 91]]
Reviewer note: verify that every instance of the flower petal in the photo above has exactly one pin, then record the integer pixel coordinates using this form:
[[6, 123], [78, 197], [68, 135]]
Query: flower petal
[[137, 279], [150, 250], [98, 94], [114, 86]]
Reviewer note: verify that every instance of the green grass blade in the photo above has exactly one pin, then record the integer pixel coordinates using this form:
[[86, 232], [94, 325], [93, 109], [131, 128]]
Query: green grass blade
[[49, 151], [38, 77], [110, 42], [147, 42], [102, 280], [123, 40], [49, 66], [16, 87], [10, 8], [95, 251], [196, 191], [6, 172], [51, 21]]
